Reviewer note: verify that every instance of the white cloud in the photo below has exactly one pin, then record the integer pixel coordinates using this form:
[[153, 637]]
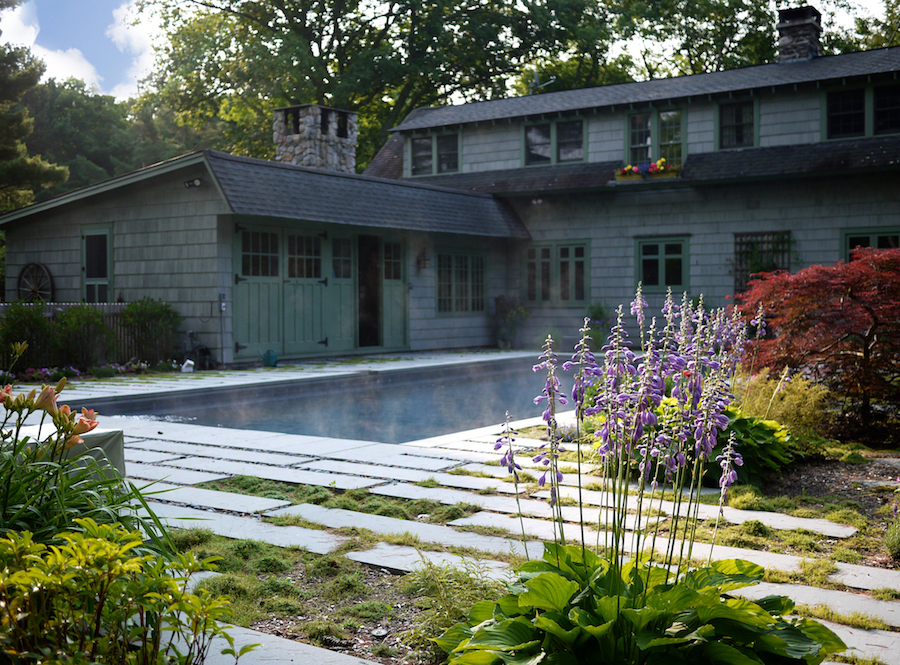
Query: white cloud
[[70, 63], [134, 38], [19, 25]]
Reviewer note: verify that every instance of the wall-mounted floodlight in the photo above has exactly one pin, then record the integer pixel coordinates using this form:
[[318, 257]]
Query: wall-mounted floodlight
[[192, 183]]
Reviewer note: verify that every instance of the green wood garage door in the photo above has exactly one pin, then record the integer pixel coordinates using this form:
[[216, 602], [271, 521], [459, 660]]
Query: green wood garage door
[[296, 292]]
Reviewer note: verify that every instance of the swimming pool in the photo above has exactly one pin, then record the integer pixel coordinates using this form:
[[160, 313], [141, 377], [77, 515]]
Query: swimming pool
[[389, 407]]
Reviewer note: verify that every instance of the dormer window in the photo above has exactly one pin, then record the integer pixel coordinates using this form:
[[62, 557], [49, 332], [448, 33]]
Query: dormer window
[[655, 134], [866, 111], [846, 111], [554, 142], [736, 125], [434, 154]]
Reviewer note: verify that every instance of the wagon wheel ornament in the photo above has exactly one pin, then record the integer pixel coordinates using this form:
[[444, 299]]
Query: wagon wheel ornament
[[35, 283]]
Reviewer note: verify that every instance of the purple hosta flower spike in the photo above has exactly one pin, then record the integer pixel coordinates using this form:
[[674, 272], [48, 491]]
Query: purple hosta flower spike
[[728, 460], [638, 305], [508, 460]]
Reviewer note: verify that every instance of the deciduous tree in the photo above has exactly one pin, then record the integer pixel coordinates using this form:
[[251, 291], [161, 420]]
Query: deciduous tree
[[839, 324]]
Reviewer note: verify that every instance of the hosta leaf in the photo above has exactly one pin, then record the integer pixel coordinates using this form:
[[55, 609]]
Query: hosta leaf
[[776, 605], [453, 637], [474, 658], [522, 659], [830, 642], [547, 624], [509, 604], [788, 641], [506, 635], [549, 591], [608, 607], [642, 616], [561, 658], [646, 641], [718, 652], [481, 611]]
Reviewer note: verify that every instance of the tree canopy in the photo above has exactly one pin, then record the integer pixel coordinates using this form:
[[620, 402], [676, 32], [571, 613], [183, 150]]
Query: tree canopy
[[20, 173]]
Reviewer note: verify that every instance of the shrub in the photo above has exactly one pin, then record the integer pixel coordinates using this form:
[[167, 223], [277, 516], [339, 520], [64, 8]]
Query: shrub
[[797, 403], [151, 325], [892, 540], [86, 339], [839, 323], [29, 323], [92, 599], [764, 445]]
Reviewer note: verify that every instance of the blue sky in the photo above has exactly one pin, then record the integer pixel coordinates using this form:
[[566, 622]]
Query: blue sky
[[94, 40], [88, 39]]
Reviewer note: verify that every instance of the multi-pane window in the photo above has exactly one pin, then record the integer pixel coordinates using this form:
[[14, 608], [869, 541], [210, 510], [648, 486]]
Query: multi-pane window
[[393, 262], [663, 263], [304, 257], [434, 154], [886, 103], [422, 159], [259, 254], [570, 141], [736, 125], [554, 142], [538, 144], [883, 238], [460, 283], [846, 113], [760, 252], [341, 258], [96, 266], [640, 138], [556, 274], [655, 134]]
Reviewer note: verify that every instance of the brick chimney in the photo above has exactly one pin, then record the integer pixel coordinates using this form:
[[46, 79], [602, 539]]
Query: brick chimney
[[316, 136], [798, 34]]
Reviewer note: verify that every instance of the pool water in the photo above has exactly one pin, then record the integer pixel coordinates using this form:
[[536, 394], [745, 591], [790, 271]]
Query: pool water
[[388, 407]]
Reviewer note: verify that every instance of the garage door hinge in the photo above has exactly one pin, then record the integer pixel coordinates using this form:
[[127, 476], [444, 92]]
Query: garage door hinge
[[238, 347], [238, 279], [324, 282], [324, 342]]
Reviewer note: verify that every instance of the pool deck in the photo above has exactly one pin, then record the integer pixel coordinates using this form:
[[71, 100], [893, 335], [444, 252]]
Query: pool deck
[[175, 457]]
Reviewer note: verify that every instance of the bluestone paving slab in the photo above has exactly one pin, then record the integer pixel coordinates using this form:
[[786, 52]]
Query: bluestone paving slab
[[336, 518], [404, 559], [499, 504], [864, 577], [147, 456], [371, 452], [881, 644], [169, 473], [369, 470], [201, 498], [233, 526], [841, 601], [218, 452], [283, 474], [274, 649], [534, 528], [418, 462]]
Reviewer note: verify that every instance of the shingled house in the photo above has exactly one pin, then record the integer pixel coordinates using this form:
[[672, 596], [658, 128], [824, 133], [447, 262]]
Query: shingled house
[[775, 166]]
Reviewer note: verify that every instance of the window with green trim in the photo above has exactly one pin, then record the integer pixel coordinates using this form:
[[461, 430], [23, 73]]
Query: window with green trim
[[434, 154], [868, 111], [97, 266], [879, 238], [556, 274], [736, 128], [662, 263], [460, 283], [655, 134], [554, 142]]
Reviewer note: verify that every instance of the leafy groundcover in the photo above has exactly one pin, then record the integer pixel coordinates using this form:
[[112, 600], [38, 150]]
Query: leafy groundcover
[[573, 608]]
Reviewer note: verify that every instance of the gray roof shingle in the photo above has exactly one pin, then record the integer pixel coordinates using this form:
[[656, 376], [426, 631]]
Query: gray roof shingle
[[823, 69], [273, 189], [559, 178]]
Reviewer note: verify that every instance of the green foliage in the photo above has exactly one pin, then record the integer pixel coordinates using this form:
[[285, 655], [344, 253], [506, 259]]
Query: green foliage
[[573, 607], [86, 339], [27, 323], [20, 173], [93, 595], [151, 325], [45, 491], [892, 540], [764, 445], [798, 404]]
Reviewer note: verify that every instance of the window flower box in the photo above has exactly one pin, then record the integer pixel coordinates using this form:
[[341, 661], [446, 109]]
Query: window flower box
[[649, 171]]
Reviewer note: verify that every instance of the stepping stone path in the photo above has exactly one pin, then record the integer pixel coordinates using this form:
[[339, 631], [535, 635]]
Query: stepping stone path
[[177, 456]]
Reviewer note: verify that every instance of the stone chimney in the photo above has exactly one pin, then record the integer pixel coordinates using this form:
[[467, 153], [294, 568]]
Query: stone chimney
[[316, 136], [798, 34]]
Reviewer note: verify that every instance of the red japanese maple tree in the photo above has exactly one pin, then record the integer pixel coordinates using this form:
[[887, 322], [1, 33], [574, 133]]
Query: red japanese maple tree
[[839, 324]]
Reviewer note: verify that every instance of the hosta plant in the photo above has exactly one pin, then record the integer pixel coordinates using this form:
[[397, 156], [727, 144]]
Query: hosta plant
[[573, 608]]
